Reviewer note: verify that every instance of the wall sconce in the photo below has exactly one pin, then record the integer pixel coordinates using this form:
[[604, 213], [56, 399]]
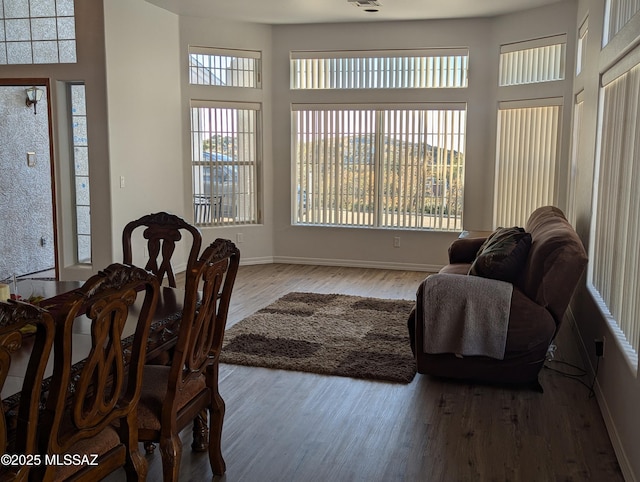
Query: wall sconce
[[34, 94]]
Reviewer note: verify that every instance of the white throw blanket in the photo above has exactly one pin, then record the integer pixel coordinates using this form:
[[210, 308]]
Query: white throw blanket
[[465, 315]]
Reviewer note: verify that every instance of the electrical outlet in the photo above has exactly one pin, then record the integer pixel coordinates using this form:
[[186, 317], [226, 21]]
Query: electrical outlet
[[599, 346], [396, 242], [239, 238]]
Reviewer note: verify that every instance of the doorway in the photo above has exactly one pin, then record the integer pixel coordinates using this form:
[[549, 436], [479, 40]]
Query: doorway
[[27, 207]]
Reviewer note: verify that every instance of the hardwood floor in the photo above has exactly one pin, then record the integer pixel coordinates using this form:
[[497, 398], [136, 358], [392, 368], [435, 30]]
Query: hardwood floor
[[290, 426]]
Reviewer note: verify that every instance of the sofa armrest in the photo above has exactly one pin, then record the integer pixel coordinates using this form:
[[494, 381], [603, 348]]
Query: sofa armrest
[[464, 250]]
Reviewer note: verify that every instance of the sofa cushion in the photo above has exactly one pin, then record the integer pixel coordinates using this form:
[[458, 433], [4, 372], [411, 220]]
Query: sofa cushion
[[503, 255]]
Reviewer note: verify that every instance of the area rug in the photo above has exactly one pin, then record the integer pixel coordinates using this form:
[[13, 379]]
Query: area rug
[[330, 334]]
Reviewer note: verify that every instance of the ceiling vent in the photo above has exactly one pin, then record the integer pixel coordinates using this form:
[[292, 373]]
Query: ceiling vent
[[365, 3]]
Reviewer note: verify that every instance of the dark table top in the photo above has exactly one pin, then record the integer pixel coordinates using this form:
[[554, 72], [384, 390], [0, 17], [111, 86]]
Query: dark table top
[[163, 333]]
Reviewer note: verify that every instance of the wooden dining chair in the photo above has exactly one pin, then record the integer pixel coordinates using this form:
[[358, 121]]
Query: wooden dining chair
[[176, 395], [163, 231], [91, 405], [18, 432]]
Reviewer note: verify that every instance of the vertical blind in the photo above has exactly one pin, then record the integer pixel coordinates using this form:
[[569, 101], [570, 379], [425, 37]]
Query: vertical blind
[[379, 165], [540, 60], [615, 266], [380, 69], [527, 153], [578, 113], [617, 15], [225, 154]]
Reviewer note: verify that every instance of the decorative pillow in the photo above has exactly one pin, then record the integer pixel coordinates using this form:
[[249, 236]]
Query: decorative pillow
[[503, 255]]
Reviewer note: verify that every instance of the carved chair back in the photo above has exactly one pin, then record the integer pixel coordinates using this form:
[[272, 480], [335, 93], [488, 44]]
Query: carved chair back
[[86, 397], [18, 435], [163, 231], [209, 284], [185, 392]]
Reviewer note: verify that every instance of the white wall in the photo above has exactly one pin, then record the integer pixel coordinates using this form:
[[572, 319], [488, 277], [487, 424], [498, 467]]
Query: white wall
[[617, 387], [145, 115], [419, 250]]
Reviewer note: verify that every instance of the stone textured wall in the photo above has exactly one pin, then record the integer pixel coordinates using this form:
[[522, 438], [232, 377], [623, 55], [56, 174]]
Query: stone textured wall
[[26, 202]]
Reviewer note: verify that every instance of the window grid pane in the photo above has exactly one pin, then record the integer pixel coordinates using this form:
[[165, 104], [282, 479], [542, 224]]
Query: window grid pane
[[37, 32], [387, 168], [81, 172], [229, 68], [411, 71], [224, 153]]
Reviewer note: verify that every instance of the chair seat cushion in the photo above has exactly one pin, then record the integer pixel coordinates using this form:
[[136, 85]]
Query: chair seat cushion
[[102, 443], [154, 389]]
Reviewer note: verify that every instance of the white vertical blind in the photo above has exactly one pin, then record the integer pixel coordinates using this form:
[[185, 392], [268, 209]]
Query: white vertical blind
[[615, 266], [617, 15], [527, 152], [410, 69], [578, 112], [379, 166], [583, 36], [542, 60]]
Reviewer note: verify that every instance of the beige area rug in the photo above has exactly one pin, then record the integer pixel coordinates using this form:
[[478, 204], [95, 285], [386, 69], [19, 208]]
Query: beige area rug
[[330, 334]]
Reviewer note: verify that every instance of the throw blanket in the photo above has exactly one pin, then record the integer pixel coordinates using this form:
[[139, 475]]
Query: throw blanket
[[465, 315]]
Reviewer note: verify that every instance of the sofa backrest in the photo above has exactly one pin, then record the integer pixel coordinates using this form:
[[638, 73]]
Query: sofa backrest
[[556, 261]]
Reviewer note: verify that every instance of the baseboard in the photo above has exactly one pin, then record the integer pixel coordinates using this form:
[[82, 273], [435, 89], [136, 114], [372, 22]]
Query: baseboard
[[350, 263], [618, 448], [328, 262]]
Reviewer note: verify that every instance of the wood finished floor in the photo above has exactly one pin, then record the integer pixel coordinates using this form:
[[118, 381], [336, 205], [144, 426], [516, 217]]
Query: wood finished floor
[[290, 426]]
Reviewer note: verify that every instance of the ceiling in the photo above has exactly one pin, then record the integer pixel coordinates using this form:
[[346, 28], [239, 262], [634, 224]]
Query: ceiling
[[328, 11]]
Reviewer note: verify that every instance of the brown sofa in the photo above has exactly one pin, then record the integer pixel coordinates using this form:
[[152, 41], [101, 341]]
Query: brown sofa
[[540, 296]]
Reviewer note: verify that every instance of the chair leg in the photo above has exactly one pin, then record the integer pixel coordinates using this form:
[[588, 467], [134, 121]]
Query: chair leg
[[200, 433], [216, 413], [171, 451]]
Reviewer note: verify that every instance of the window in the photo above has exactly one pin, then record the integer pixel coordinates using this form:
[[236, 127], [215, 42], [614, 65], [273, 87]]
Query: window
[[533, 61], [81, 172], [224, 67], [224, 146], [37, 32], [380, 69], [578, 114], [583, 34], [614, 270], [386, 166], [527, 147], [617, 15]]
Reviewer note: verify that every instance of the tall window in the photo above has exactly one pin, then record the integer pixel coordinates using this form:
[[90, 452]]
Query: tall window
[[37, 32], [224, 67], [380, 69], [528, 131], [81, 172], [581, 51], [379, 166], [578, 114], [224, 145], [526, 159], [614, 271], [533, 61]]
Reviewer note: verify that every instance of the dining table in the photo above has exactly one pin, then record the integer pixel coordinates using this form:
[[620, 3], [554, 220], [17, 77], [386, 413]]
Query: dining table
[[50, 294]]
